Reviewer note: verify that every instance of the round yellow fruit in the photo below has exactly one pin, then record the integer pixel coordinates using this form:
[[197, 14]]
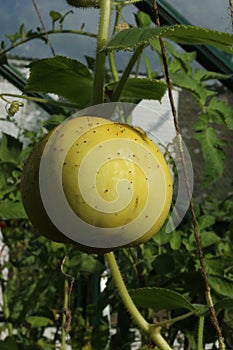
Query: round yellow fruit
[[98, 184]]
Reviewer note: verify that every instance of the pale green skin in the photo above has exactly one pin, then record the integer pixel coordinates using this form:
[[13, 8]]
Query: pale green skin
[[35, 210], [33, 204]]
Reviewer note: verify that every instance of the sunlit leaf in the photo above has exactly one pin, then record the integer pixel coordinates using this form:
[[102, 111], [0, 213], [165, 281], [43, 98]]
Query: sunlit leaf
[[62, 76], [183, 34]]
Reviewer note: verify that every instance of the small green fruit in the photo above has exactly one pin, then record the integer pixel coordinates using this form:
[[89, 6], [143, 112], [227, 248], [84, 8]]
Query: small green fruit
[[84, 3]]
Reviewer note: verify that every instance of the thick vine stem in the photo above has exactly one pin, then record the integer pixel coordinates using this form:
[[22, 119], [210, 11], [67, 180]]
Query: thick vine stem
[[152, 331], [99, 73]]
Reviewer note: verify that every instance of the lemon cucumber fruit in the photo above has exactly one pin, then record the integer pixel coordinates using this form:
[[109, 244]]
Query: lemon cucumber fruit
[[97, 184]]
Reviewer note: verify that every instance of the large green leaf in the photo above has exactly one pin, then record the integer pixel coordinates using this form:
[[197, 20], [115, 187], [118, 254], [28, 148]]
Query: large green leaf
[[62, 76], [212, 149], [12, 210], [137, 89], [160, 298], [183, 34], [10, 149]]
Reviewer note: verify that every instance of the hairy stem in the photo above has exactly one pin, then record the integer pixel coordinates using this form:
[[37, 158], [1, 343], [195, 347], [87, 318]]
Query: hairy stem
[[99, 73], [150, 329]]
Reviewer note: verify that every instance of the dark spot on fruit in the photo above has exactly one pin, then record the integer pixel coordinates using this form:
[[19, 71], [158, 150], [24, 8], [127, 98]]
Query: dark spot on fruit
[[106, 191]]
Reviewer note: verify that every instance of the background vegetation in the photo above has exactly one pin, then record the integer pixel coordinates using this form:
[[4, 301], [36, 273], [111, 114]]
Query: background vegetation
[[47, 284]]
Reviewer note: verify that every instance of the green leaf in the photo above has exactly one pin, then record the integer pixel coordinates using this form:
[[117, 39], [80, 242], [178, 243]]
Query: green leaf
[[197, 89], [222, 110], [176, 240], [205, 221], [182, 34], [10, 149], [55, 15], [142, 19], [204, 75], [209, 238], [214, 266], [160, 298], [221, 285], [137, 89], [12, 210], [62, 76], [212, 149], [22, 32], [39, 321]]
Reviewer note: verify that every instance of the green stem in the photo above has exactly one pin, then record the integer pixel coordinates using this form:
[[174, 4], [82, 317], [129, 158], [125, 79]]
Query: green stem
[[111, 53], [99, 73], [38, 100], [200, 333], [42, 35], [157, 338], [151, 330], [65, 309], [116, 94]]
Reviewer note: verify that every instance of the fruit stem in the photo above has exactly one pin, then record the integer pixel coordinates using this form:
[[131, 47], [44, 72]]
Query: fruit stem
[[150, 329], [200, 332], [99, 72]]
